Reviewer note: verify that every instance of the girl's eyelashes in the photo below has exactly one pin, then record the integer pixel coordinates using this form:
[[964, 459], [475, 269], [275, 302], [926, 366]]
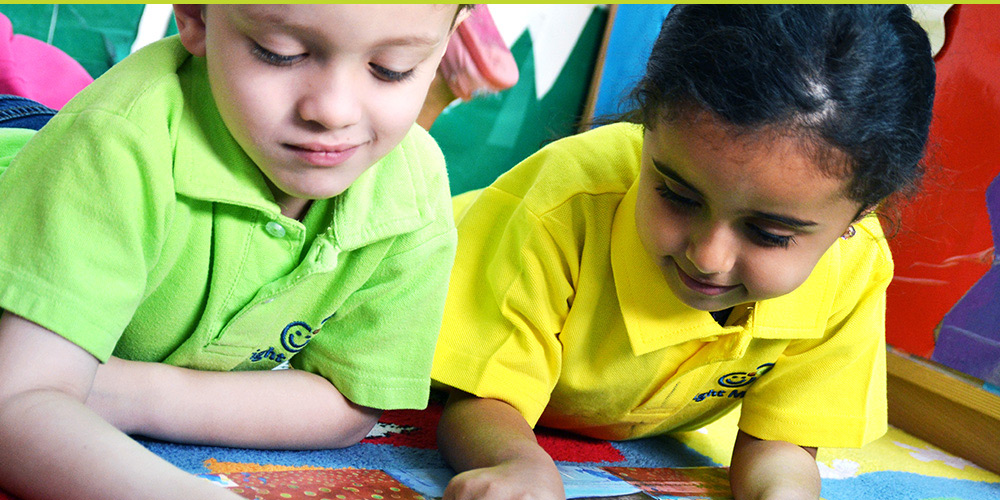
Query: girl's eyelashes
[[388, 75], [755, 233], [676, 199], [273, 59], [767, 238]]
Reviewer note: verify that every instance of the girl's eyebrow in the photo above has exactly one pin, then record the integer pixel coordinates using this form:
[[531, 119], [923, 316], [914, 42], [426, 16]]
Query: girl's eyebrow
[[785, 220]]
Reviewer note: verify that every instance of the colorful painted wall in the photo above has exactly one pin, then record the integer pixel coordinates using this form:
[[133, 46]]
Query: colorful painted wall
[[944, 243]]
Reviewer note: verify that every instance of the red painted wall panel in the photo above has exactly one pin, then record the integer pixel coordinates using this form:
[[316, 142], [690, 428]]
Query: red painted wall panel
[[944, 244]]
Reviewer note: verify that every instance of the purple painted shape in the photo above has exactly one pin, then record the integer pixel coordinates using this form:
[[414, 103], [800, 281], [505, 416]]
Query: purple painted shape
[[969, 340]]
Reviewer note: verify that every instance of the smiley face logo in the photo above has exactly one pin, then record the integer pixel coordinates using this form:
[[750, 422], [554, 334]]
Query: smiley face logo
[[740, 379], [296, 335]]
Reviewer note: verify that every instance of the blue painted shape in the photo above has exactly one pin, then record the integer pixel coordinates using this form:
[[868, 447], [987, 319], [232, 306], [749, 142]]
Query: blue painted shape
[[632, 35]]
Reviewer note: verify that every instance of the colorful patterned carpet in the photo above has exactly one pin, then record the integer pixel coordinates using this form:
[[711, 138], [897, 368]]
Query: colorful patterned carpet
[[897, 466]]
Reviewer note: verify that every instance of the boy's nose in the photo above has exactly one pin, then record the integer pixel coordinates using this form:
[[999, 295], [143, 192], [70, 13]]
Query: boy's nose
[[333, 103], [712, 250]]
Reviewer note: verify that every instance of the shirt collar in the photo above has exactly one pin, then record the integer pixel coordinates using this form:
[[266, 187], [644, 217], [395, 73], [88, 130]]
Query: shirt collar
[[655, 318], [392, 197]]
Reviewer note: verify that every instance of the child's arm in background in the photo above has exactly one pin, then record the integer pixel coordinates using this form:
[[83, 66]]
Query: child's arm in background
[[495, 451], [287, 409], [763, 469], [52, 446]]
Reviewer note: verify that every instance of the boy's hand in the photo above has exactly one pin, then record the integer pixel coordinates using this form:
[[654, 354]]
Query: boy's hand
[[512, 480], [773, 470]]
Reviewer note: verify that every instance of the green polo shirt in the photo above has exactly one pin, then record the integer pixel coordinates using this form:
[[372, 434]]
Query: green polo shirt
[[133, 224]]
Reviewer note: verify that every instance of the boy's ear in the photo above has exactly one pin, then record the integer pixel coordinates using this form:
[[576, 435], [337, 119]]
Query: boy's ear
[[462, 15], [191, 27]]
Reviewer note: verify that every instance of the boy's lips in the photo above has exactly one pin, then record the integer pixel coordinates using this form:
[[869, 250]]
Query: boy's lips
[[702, 287], [324, 155]]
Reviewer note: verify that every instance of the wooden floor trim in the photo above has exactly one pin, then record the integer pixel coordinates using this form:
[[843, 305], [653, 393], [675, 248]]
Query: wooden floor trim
[[944, 408]]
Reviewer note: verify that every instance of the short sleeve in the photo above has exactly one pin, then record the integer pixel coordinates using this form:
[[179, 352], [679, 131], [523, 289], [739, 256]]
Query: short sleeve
[[377, 349], [831, 391], [84, 213], [508, 300]]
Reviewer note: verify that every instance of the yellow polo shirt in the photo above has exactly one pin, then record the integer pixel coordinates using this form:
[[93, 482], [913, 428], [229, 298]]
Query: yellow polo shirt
[[555, 307]]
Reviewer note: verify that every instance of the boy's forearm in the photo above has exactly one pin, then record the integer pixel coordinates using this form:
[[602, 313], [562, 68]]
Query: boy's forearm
[[773, 470], [54, 447], [286, 409]]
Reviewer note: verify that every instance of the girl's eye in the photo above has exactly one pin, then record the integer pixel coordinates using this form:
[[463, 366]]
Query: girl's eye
[[388, 75], [676, 199], [768, 239], [274, 59]]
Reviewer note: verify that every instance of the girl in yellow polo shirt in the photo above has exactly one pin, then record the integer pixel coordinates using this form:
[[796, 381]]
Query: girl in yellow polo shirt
[[718, 251]]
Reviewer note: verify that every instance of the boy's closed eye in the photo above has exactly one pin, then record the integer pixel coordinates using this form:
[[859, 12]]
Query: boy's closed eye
[[389, 75], [273, 58]]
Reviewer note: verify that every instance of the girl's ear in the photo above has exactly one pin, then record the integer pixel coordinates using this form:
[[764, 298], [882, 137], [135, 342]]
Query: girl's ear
[[191, 27], [865, 213]]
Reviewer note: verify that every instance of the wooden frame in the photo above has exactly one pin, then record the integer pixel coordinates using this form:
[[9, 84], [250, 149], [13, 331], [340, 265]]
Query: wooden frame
[[945, 408]]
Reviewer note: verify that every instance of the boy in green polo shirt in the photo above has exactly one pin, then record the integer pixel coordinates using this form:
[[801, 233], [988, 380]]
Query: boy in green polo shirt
[[251, 194]]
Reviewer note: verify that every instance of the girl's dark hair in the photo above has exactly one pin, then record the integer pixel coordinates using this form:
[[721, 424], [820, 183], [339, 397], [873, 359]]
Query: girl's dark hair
[[853, 80]]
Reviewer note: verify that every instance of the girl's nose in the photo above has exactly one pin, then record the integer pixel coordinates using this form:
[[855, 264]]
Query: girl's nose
[[712, 250], [333, 104]]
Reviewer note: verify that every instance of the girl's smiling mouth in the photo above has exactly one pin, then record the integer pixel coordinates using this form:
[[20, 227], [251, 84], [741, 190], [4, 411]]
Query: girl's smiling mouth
[[701, 286]]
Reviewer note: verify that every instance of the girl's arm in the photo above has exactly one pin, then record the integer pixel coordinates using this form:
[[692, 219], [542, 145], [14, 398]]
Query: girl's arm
[[495, 451], [283, 409], [52, 446], [773, 470]]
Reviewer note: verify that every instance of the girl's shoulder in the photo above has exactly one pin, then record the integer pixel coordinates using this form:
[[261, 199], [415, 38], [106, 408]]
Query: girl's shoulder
[[601, 161], [866, 253]]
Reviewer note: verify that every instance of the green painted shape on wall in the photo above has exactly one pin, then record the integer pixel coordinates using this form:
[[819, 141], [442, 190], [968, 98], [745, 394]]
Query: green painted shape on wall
[[484, 137]]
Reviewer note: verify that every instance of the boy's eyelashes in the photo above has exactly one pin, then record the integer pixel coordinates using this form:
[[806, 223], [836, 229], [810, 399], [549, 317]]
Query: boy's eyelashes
[[756, 234], [389, 75], [274, 59], [380, 72]]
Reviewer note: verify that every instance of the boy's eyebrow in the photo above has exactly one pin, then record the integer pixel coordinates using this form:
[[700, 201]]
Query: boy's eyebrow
[[785, 220], [407, 40], [411, 40]]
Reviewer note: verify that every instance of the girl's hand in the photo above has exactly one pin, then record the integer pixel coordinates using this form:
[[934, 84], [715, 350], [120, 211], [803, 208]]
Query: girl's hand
[[508, 481], [773, 470], [496, 448]]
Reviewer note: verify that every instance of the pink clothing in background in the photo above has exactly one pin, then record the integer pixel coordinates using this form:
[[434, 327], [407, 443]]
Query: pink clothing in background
[[36, 70]]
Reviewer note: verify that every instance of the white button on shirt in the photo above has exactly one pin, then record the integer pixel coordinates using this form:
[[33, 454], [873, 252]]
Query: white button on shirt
[[275, 229]]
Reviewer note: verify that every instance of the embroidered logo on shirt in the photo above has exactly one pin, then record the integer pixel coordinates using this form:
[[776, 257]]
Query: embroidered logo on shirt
[[294, 338], [733, 380]]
